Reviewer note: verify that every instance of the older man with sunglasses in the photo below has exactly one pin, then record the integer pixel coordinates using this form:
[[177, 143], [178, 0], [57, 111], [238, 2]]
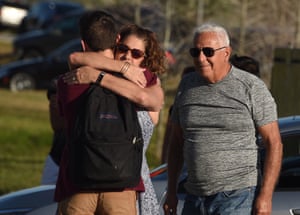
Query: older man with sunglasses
[[216, 113]]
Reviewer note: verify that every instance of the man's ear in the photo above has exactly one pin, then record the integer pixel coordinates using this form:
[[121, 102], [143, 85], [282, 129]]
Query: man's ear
[[228, 52]]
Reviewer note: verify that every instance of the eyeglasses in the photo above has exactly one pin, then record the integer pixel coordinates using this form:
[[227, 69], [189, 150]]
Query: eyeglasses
[[207, 51], [135, 53]]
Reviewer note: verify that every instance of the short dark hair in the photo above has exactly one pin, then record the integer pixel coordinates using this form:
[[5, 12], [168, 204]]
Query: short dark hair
[[246, 63], [98, 30]]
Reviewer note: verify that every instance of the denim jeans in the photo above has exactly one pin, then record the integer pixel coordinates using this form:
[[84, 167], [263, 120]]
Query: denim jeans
[[236, 202]]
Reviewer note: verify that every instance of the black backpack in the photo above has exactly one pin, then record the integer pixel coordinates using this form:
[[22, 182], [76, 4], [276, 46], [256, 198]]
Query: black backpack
[[107, 146]]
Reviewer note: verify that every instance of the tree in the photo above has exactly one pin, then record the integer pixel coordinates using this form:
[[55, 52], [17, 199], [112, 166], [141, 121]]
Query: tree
[[298, 27], [137, 12]]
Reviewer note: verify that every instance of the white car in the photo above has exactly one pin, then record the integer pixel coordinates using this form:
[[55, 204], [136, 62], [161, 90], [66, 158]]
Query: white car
[[286, 199]]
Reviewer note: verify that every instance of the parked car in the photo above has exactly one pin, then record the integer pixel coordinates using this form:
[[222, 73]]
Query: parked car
[[36, 73], [26, 200], [12, 13], [285, 200], [43, 13], [41, 42], [287, 194]]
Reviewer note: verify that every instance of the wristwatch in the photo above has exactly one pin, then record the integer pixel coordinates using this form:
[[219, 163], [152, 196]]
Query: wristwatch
[[100, 77]]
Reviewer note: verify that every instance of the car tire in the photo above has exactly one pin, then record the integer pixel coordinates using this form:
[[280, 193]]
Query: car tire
[[21, 81]]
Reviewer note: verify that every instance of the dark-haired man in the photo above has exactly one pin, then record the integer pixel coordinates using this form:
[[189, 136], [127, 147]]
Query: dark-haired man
[[98, 34]]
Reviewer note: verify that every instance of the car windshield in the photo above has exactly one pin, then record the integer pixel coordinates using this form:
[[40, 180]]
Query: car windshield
[[64, 51], [68, 23], [42, 9]]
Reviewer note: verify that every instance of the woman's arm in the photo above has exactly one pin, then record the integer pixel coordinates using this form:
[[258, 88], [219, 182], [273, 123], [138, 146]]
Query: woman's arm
[[154, 116], [99, 61], [150, 98]]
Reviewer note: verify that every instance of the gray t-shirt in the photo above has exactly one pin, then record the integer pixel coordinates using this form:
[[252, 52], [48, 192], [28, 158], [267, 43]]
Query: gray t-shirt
[[219, 123]]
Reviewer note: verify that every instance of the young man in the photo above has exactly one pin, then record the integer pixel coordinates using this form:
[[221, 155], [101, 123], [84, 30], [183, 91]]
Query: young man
[[98, 32], [150, 97], [214, 121]]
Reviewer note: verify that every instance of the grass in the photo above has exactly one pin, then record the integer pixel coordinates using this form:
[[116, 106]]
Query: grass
[[26, 134], [25, 138]]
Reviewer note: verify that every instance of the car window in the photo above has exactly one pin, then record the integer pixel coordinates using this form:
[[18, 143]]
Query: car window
[[42, 9], [290, 173], [67, 25], [290, 169], [61, 9], [73, 48], [291, 145], [63, 52]]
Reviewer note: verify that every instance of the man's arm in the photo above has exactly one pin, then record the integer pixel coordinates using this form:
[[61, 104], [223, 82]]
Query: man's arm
[[272, 141], [175, 163]]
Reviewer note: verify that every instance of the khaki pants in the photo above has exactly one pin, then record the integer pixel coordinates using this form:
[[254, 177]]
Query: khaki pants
[[103, 203]]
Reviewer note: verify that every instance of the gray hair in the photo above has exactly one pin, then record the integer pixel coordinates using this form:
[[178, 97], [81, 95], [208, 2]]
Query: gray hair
[[221, 33]]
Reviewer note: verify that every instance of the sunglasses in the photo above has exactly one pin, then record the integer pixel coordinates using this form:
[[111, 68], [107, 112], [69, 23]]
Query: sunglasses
[[207, 51], [135, 53]]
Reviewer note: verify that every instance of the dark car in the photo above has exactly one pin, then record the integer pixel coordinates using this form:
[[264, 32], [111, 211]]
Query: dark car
[[41, 42], [285, 198], [44, 13], [36, 73]]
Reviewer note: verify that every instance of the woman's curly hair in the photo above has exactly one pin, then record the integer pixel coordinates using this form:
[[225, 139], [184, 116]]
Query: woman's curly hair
[[155, 59]]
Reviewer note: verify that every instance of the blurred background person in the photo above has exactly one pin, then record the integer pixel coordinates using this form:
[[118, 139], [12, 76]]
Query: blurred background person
[[246, 63]]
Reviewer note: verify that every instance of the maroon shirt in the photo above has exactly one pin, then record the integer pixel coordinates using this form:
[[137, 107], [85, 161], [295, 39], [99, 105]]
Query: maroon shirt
[[70, 98]]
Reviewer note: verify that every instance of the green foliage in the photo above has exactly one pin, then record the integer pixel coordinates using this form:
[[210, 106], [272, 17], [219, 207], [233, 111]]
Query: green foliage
[[152, 158]]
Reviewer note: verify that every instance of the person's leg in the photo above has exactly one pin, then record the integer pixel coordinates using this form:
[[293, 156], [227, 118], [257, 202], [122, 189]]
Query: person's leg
[[79, 204], [235, 202], [117, 203], [193, 205]]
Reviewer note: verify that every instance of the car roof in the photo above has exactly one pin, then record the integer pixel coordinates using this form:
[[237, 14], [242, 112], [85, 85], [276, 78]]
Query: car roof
[[289, 124], [54, 4]]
